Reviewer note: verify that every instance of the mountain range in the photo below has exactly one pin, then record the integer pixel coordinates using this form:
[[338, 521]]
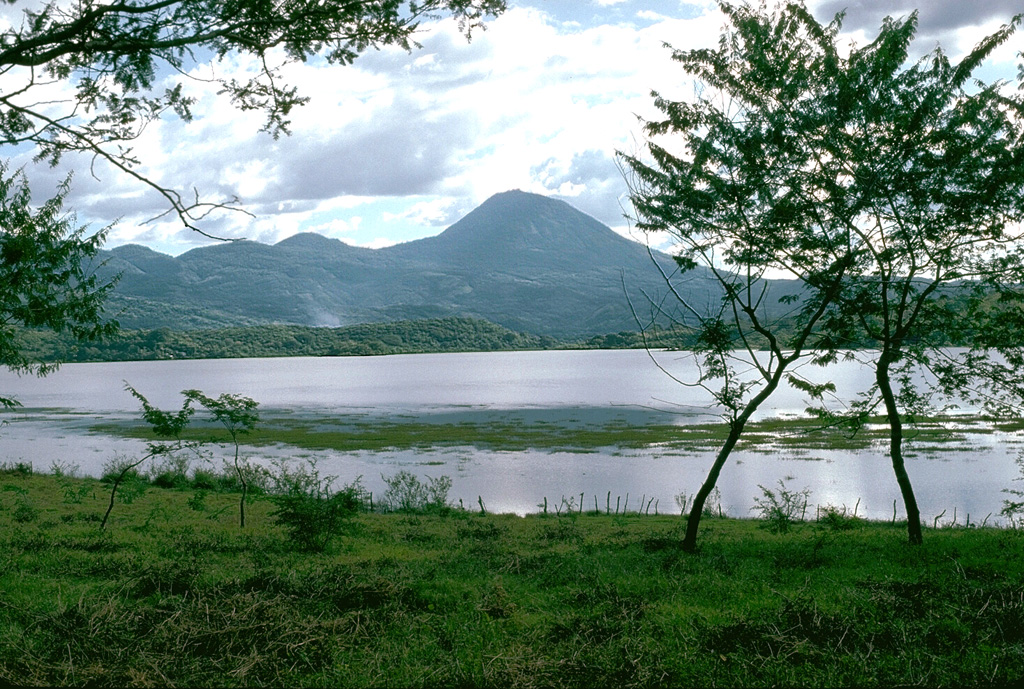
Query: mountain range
[[523, 261]]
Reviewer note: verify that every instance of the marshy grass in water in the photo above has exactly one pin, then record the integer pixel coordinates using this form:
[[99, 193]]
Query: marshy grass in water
[[490, 432]]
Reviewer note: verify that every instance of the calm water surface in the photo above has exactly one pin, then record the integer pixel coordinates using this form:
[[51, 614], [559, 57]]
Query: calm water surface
[[561, 386]]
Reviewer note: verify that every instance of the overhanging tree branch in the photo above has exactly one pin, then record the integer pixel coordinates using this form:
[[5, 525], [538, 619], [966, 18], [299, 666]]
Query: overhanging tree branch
[[115, 54]]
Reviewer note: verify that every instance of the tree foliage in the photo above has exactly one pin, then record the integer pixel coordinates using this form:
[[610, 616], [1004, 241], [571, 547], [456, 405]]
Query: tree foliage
[[167, 426], [46, 278], [239, 416], [935, 161], [744, 203], [114, 57], [890, 190]]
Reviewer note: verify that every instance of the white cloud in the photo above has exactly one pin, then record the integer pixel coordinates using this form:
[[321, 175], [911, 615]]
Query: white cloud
[[398, 145], [438, 212], [648, 15], [375, 243]]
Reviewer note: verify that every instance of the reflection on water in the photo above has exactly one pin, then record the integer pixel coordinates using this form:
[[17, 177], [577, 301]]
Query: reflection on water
[[555, 387]]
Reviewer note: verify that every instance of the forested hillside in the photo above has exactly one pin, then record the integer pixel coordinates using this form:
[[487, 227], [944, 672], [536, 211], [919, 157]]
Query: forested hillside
[[525, 262], [398, 337]]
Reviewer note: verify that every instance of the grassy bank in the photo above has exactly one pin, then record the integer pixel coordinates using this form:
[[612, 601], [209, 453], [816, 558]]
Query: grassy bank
[[173, 593]]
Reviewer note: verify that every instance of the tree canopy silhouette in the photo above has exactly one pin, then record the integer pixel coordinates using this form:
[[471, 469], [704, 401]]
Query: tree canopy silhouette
[[891, 190]]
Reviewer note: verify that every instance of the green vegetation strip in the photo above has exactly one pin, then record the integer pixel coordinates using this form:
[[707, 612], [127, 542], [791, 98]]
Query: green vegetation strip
[[174, 593], [362, 434]]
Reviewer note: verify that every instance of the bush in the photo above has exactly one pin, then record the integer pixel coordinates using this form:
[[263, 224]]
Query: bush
[[64, 469], [406, 493], [172, 472], [112, 470], [837, 518], [169, 479], [18, 468], [75, 492], [309, 510], [204, 479], [258, 479], [25, 511], [197, 502], [779, 510], [712, 506], [133, 483], [1013, 510]]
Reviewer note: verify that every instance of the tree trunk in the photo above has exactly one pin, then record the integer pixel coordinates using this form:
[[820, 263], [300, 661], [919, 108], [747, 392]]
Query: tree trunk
[[245, 489], [896, 450], [113, 494], [697, 509], [116, 485], [735, 430]]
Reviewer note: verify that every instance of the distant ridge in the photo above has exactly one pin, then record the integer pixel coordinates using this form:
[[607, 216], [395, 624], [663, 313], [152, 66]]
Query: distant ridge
[[520, 260]]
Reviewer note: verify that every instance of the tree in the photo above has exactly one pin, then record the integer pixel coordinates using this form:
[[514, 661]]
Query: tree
[[167, 426], [46, 278], [744, 204], [114, 55], [887, 191], [238, 415], [936, 161]]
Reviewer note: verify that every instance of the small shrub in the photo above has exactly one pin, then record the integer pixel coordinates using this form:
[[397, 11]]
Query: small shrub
[[171, 472], [18, 468], [309, 510], [778, 511], [132, 489], [257, 480], [682, 500], [837, 519], [406, 493], [167, 479], [1013, 510], [112, 470], [24, 510], [126, 483], [204, 479], [74, 493], [64, 469], [197, 502], [712, 506]]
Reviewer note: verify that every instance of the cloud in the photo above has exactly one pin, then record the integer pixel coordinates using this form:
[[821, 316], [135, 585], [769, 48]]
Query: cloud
[[404, 151], [935, 17], [955, 25], [375, 243], [439, 212], [535, 102], [399, 145]]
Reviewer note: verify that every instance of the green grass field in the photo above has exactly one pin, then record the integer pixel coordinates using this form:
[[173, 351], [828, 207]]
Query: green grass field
[[174, 593]]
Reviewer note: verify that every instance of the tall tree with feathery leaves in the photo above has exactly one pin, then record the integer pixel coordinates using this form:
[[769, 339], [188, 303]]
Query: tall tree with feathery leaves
[[882, 188]]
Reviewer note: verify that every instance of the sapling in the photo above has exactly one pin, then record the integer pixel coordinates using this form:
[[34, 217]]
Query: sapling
[[238, 415], [167, 426]]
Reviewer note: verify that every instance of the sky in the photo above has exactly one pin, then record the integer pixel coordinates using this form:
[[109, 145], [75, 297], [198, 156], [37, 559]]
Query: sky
[[400, 145]]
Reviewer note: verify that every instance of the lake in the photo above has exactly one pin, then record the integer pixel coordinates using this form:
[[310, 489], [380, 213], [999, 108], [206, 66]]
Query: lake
[[557, 387]]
